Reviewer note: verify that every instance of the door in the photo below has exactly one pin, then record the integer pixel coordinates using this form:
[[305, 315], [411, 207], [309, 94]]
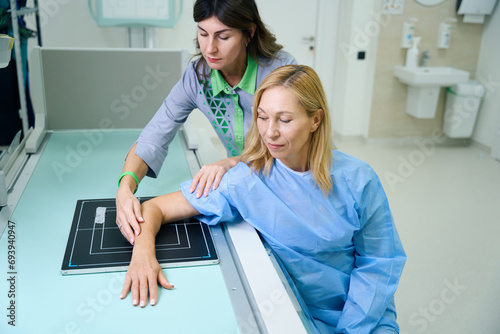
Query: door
[[294, 22]]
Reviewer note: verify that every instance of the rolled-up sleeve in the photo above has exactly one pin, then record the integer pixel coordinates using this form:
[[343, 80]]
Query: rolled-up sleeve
[[379, 259], [153, 142]]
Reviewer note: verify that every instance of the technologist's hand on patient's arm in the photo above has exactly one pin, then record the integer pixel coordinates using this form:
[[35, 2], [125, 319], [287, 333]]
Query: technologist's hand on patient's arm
[[144, 272], [209, 176], [128, 214], [128, 208]]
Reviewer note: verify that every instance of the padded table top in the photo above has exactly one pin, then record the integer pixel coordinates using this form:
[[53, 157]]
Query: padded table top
[[86, 164]]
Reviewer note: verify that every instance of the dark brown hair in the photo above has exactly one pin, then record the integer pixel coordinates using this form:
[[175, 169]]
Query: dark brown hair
[[242, 15]]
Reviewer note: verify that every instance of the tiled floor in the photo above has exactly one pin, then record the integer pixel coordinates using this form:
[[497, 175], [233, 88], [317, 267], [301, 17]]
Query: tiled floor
[[446, 205]]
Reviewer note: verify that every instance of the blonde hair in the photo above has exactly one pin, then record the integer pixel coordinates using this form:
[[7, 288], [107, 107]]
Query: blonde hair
[[303, 82]]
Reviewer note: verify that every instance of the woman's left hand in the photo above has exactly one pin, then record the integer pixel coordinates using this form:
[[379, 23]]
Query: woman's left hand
[[209, 176], [143, 276]]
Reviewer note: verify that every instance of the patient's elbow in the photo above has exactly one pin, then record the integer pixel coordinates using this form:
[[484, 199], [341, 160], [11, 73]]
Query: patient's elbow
[[149, 207], [145, 205]]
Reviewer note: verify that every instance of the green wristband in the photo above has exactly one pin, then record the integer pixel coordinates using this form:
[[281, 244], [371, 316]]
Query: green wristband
[[131, 174]]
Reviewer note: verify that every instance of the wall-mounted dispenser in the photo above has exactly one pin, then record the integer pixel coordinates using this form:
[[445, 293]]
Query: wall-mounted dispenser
[[475, 10], [444, 34], [408, 33]]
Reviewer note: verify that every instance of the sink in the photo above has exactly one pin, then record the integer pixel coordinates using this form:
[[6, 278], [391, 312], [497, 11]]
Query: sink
[[424, 85], [430, 76]]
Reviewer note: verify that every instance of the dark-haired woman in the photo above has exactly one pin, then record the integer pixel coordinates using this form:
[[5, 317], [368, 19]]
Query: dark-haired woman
[[236, 52]]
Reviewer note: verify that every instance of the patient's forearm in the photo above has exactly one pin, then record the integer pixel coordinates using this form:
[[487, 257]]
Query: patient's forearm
[[163, 209], [145, 241], [173, 207]]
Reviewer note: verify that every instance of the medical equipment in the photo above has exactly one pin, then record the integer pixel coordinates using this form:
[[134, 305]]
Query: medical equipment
[[128, 13], [8, 173], [95, 244], [16, 14], [140, 17], [127, 103]]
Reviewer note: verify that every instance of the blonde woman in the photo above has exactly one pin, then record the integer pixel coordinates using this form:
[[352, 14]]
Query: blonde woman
[[323, 212]]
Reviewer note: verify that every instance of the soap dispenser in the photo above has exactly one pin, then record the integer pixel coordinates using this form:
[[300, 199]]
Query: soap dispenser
[[412, 54], [444, 34], [408, 32]]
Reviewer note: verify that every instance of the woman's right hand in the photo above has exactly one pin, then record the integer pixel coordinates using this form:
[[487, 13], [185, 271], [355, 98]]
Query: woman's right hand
[[143, 275], [128, 214], [209, 176]]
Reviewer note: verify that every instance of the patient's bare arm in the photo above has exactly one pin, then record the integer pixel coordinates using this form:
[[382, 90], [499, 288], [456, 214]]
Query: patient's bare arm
[[144, 272]]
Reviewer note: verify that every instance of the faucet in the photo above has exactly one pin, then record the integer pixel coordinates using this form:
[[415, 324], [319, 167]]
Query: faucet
[[425, 57]]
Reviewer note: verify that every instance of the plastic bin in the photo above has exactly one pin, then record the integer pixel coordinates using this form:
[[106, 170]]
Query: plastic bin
[[462, 106]]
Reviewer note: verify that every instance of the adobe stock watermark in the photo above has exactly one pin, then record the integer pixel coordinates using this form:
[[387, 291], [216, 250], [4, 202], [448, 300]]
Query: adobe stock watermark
[[471, 103], [74, 155], [123, 106], [90, 308], [449, 294], [267, 308], [361, 36], [426, 147], [151, 81], [408, 165]]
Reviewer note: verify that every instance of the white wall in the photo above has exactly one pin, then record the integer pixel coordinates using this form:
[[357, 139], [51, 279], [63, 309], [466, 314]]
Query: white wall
[[67, 23], [182, 35], [354, 78], [488, 73], [326, 48]]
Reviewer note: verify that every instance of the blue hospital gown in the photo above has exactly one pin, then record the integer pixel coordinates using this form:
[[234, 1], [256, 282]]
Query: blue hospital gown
[[342, 252]]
